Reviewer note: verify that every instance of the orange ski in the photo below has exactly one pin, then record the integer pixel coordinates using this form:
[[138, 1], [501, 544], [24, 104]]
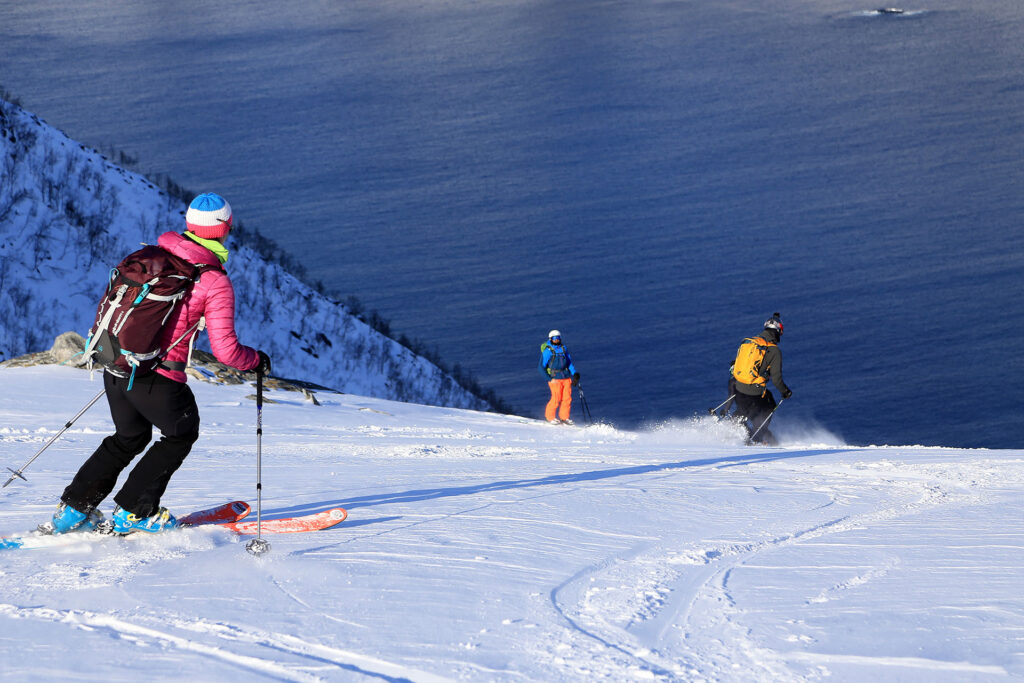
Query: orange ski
[[291, 525]]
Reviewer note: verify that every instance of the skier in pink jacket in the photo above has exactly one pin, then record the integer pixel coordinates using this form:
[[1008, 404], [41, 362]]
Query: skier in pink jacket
[[161, 398]]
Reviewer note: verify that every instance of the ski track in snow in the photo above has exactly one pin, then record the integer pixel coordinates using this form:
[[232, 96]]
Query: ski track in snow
[[485, 548], [673, 593], [667, 594], [311, 654]]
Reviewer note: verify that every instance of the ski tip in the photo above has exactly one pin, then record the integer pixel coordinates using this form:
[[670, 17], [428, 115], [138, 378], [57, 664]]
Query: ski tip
[[337, 515]]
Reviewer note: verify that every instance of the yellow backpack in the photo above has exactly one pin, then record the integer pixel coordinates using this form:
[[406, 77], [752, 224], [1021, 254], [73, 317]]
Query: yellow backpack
[[747, 368]]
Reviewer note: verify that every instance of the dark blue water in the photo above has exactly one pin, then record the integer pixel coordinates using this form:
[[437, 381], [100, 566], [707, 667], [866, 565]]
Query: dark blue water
[[652, 178]]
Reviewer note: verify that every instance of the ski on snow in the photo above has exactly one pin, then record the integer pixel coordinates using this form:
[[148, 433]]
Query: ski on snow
[[227, 515], [290, 525]]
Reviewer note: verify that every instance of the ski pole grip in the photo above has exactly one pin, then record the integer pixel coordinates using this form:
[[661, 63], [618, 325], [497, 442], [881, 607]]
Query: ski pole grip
[[259, 387]]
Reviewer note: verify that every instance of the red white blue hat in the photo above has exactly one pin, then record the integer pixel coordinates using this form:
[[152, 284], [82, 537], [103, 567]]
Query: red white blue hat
[[209, 216]]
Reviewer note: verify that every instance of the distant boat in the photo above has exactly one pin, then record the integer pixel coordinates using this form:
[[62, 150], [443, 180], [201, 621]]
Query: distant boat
[[890, 10]]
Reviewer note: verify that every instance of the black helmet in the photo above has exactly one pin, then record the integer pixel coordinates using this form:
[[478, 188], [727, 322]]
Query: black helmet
[[774, 323]]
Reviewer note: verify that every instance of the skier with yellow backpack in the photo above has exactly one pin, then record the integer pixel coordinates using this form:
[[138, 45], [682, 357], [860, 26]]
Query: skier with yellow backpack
[[758, 360]]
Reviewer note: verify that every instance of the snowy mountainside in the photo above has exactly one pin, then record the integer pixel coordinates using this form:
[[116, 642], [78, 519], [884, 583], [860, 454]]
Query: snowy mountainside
[[67, 215], [488, 547]]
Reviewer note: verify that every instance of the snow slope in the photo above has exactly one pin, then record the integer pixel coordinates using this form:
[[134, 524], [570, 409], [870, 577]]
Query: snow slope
[[489, 547], [68, 215]]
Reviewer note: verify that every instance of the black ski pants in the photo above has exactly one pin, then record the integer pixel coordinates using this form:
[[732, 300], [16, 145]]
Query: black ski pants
[[153, 401], [756, 410]]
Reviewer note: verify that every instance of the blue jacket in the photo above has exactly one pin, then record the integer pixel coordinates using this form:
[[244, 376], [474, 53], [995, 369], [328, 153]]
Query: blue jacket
[[555, 362]]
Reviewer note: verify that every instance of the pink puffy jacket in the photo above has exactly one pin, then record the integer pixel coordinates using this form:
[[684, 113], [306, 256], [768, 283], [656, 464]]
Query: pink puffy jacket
[[214, 297]]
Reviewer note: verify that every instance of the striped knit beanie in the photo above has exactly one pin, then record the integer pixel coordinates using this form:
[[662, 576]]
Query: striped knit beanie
[[209, 216]]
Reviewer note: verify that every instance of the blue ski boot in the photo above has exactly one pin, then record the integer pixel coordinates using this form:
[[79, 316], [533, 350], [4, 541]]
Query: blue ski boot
[[67, 519], [126, 522]]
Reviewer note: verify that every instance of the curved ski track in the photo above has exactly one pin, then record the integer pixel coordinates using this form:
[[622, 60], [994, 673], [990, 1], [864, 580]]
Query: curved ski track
[[682, 602]]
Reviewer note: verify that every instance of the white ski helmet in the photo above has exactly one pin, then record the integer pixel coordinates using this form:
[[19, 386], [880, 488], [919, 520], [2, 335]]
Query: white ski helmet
[[554, 333]]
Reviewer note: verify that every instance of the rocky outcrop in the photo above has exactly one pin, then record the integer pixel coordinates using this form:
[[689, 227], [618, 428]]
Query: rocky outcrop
[[65, 347], [205, 368]]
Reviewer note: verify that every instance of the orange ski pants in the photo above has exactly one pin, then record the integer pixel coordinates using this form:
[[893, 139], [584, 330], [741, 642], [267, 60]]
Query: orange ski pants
[[561, 399]]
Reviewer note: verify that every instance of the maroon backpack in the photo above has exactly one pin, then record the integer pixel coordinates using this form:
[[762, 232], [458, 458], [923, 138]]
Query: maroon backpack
[[143, 292]]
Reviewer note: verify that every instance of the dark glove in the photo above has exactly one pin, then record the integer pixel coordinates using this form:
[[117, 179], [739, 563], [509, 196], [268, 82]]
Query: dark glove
[[576, 380], [787, 393], [264, 367]]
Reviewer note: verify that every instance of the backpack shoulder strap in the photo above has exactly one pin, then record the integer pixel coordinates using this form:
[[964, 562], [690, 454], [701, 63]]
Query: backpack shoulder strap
[[760, 342], [210, 266]]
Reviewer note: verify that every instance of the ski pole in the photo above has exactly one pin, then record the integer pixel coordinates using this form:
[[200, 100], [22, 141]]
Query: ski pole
[[18, 473], [766, 419], [586, 408], [716, 408], [258, 546]]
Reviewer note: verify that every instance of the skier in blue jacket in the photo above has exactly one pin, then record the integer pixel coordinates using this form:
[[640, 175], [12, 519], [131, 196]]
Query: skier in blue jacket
[[558, 370]]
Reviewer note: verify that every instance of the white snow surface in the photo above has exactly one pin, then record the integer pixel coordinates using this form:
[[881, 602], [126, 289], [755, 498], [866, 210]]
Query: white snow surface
[[496, 548]]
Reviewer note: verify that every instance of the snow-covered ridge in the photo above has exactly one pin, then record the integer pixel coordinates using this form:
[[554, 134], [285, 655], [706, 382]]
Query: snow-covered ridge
[[67, 215]]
